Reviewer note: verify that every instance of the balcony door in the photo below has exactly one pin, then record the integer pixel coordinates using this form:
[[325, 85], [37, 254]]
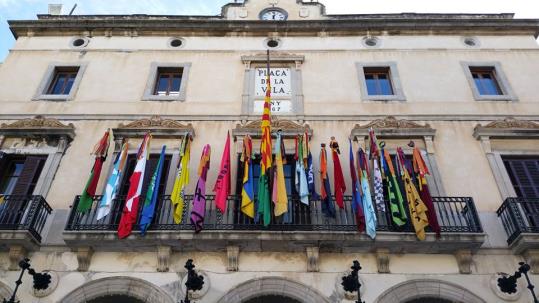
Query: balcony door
[[524, 175]]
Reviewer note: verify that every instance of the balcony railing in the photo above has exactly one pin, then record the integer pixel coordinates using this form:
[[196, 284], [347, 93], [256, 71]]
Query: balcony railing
[[455, 215], [24, 213], [519, 215]]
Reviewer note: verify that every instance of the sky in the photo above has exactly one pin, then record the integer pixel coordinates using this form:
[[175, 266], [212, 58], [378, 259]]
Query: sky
[[27, 9]]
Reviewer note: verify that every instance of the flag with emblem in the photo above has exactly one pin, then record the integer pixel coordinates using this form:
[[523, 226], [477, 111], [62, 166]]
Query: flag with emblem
[[177, 197], [111, 189], [152, 194], [199, 200], [368, 208], [395, 199], [247, 189]]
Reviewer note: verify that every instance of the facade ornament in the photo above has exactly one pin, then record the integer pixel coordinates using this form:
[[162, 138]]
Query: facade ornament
[[84, 257], [313, 262], [41, 293], [163, 258], [509, 122], [38, 121], [288, 127], [506, 129], [38, 127], [464, 260], [16, 254], [382, 260], [233, 253], [154, 122], [158, 126], [392, 122]]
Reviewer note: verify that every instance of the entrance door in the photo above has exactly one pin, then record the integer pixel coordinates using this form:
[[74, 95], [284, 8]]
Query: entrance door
[[272, 299]]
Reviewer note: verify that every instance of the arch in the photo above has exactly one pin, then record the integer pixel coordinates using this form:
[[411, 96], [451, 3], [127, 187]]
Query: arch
[[273, 286], [426, 288], [129, 286], [6, 291]]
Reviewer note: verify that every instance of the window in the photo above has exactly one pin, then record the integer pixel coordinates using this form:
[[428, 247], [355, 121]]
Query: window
[[380, 82], [524, 175], [64, 77], [488, 82], [61, 82], [485, 80], [20, 174], [167, 82]]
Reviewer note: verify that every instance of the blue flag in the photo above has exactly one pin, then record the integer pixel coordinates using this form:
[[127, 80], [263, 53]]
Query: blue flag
[[151, 195], [368, 208]]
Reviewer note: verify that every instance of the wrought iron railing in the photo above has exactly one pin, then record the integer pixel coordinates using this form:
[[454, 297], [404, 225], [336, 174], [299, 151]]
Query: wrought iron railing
[[519, 215], [24, 213], [455, 215]]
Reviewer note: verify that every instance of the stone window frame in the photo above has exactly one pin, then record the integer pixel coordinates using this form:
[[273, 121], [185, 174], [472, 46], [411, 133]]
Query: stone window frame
[[293, 62], [507, 129], [152, 80], [398, 92], [41, 93], [501, 78], [392, 128]]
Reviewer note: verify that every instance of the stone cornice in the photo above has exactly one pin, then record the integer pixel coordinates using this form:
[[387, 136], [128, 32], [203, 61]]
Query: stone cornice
[[288, 128], [38, 126], [391, 127], [156, 125], [507, 128], [158, 25]]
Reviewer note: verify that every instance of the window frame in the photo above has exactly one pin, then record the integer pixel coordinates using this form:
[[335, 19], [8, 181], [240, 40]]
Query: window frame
[[151, 85], [43, 91], [502, 81], [394, 79]]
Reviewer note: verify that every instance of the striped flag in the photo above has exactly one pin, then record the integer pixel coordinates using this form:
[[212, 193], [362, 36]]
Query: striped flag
[[113, 182], [396, 201], [247, 191], [152, 194], [182, 179], [130, 210]]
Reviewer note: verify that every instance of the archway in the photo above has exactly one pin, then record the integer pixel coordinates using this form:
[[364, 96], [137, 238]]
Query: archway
[[127, 288], [273, 287], [272, 299], [431, 291], [116, 299], [5, 291]]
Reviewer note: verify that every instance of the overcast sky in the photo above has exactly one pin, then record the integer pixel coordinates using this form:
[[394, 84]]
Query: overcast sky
[[27, 9]]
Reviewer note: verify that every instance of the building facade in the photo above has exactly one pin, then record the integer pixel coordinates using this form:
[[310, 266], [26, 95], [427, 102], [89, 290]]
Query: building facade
[[461, 86]]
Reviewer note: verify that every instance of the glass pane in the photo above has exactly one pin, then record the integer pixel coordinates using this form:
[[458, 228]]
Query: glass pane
[[371, 87], [385, 86], [58, 85], [479, 85], [70, 81], [490, 86], [176, 83], [11, 178], [162, 85]]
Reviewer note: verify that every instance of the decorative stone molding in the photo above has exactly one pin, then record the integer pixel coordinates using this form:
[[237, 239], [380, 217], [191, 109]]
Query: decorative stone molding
[[84, 256], [532, 258], [464, 260], [504, 296], [16, 254], [55, 278], [276, 57], [382, 260], [392, 122], [39, 126], [391, 127], [164, 128], [288, 128], [506, 129], [6, 292], [197, 295], [233, 253], [163, 258], [352, 296], [313, 263]]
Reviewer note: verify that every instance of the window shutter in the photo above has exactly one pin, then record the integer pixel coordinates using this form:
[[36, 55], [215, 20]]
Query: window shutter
[[29, 175], [524, 175]]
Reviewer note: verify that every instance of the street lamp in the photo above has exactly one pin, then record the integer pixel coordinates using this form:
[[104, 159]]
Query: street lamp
[[351, 283], [41, 280], [194, 281], [509, 284]]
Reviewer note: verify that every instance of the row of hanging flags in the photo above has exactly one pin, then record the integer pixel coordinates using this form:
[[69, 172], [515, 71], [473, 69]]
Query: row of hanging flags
[[373, 174]]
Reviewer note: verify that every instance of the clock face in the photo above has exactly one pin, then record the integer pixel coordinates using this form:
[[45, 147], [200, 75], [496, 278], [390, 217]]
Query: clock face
[[273, 15]]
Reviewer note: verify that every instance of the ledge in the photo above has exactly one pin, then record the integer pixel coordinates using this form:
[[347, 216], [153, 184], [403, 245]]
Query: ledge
[[524, 242], [18, 237]]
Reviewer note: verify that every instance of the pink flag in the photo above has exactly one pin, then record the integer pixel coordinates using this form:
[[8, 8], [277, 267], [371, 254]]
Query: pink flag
[[222, 185]]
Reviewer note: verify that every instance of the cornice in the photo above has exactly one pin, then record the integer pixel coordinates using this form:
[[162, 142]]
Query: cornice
[[158, 126], [507, 128], [288, 128], [394, 128], [38, 126]]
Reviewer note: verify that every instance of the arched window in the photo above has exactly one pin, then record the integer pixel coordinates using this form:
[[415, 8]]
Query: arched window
[[272, 299]]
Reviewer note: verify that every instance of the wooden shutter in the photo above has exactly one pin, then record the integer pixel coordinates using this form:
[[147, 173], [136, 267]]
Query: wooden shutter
[[524, 174], [29, 175]]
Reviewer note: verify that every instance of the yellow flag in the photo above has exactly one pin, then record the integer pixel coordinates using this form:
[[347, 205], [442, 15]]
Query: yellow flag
[[418, 209], [247, 192], [280, 197], [182, 179]]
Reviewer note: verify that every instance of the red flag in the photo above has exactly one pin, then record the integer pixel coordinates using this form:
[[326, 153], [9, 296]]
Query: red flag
[[338, 177], [130, 210], [222, 185]]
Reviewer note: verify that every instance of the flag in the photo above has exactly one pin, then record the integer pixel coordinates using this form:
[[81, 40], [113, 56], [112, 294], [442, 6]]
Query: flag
[[113, 182], [376, 174], [264, 207], [418, 210], [301, 178], [310, 171], [279, 197], [222, 184], [247, 190], [182, 179], [368, 208], [152, 194], [100, 151], [420, 168], [199, 200], [130, 210], [357, 206], [340, 186], [396, 201], [325, 189]]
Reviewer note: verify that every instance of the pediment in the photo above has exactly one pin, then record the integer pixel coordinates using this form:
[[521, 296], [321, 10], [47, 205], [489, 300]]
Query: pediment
[[288, 128], [508, 128], [38, 126], [158, 126], [390, 126]]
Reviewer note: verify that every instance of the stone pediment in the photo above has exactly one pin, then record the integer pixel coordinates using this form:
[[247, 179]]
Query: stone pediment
[[158, 126], [288, 128], [274, 57], [39, 126], [393, 127], [508, 128]]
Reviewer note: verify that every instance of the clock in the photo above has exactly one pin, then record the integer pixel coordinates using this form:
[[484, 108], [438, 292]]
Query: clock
[[273, 14]]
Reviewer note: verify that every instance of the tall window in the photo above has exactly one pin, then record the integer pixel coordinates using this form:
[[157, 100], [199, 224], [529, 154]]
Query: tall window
[[524, 175], [378, 81], [486, 81], [19, 174], [168, 81], [63, 80]]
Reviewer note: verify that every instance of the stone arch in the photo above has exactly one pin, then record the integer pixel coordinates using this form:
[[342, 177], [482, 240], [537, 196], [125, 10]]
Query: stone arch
[[427, 288], [133, 287], [273, 286], [5, 291]]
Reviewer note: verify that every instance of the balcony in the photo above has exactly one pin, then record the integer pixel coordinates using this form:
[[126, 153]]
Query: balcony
[[22, 219], [461, 230], [520, 218]]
